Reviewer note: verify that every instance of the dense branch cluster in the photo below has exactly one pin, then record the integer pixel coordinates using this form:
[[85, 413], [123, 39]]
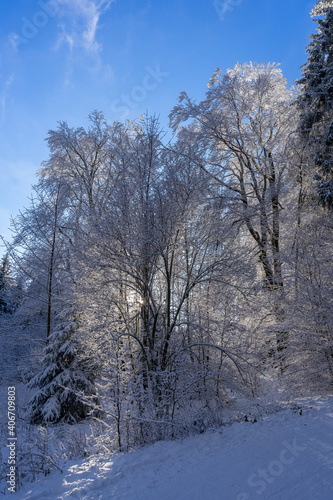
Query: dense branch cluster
[[153, 278]]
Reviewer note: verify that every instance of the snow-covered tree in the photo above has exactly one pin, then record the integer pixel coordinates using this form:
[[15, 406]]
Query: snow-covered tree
[[153, 247], [40, 253], [65, 384], [310, 313], [316, 100], [244, 129], [7, 298], [82, 158], [246, 123], [56, 240]]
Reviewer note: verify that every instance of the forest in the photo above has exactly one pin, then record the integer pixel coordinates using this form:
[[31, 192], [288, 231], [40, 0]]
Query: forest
[[155, 275]]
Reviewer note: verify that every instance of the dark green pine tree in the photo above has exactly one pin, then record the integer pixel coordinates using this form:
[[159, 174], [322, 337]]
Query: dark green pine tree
[[316, 100], [66, 390]]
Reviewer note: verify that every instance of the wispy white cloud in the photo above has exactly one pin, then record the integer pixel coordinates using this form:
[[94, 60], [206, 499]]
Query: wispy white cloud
[[80, 24]]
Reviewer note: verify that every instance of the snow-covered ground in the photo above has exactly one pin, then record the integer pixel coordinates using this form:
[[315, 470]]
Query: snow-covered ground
[[286, 455]]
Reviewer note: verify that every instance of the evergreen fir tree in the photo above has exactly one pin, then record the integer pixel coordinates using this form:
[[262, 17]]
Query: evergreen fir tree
[[66, 390], [316, 99]]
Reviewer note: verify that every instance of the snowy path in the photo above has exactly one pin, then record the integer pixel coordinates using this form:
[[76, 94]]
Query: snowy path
[[284, 456]]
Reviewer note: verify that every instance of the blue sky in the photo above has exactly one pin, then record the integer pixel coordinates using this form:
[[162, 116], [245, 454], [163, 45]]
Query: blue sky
[[61, 59]]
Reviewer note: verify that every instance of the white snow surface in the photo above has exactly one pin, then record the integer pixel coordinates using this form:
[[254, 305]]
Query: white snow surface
[[285, 455]]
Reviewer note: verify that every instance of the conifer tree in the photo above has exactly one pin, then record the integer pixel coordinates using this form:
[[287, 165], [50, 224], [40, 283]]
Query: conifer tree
[[66, 389], [316, 100]]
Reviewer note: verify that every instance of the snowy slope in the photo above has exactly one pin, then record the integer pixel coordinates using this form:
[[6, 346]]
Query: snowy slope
[[286, 455]]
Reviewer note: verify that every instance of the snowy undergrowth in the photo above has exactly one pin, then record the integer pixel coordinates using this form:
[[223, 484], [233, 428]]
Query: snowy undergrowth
[[39, 449], [285, 455], [49, 450]]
